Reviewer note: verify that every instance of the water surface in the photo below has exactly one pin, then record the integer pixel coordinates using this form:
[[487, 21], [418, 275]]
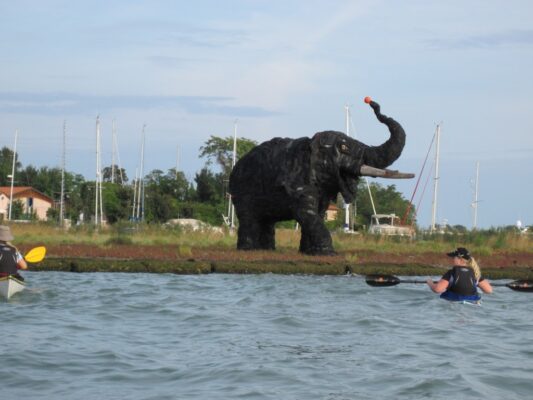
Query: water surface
[[149, 336]]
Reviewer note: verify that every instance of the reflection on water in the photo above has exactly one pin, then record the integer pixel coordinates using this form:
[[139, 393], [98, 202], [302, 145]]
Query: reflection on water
[[144, 336]]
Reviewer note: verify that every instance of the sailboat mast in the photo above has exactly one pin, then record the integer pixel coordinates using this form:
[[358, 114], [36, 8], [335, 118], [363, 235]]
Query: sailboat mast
[[233, 166], [177, 160], [436, 180], [62, 199], [113, 140], [133, 214], [476, 191], [101, 197], [370, 195], [347, 205], [140, 185], [13, 173], [97, 182], [117, 152], [99, 202]]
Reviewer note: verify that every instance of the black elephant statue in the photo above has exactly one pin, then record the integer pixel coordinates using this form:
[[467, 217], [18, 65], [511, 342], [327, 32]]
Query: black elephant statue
[[284, 179]]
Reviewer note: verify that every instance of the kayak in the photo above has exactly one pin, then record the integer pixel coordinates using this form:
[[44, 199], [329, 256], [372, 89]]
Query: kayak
[[9, 285], [471, 303], [474, 299]]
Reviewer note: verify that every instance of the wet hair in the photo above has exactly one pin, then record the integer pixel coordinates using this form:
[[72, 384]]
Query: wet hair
[[472, 263]]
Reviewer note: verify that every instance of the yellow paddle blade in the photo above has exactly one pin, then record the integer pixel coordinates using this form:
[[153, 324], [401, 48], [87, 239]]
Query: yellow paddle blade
[[36, 254]]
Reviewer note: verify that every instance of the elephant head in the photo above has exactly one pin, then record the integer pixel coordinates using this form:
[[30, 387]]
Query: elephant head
[[338, 160]]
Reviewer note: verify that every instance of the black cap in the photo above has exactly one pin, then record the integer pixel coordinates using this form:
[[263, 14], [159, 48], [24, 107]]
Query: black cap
[[460, 252]]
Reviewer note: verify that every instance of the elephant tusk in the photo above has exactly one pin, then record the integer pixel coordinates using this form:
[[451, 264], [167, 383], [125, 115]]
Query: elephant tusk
[[384, 173]]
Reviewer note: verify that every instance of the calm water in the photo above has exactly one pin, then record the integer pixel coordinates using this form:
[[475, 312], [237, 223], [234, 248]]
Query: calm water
[[143, 336]]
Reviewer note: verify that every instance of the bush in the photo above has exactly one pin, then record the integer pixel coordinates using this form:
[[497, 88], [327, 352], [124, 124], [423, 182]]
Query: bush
[[118, 241]]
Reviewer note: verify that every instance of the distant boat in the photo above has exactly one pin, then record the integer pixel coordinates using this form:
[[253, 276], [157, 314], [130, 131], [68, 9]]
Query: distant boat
[[9, 285], [389, 225]]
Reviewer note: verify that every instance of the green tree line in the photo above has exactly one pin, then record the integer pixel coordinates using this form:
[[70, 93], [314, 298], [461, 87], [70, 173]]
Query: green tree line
[[167, 195]]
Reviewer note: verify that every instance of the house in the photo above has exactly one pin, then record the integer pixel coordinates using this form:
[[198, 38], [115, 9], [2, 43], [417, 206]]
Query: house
[[331, 212], [33, 201]]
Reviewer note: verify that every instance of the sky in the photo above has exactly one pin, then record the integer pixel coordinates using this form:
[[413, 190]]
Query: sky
[[191, 69]]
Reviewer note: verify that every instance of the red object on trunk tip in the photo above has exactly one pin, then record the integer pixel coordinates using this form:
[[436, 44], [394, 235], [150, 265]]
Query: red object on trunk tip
[[368, 99]]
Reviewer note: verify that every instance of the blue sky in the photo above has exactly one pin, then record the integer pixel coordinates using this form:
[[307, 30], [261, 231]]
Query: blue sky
[[188, 70]]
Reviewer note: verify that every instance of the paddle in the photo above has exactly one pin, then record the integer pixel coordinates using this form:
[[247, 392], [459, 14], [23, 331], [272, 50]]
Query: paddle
[[36, 254], [521, 285]]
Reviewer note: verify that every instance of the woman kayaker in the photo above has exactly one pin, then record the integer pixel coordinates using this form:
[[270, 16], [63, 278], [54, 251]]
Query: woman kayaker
[[460, 283], [10, 258]]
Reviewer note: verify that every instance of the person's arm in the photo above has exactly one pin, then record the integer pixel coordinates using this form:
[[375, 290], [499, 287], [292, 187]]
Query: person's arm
[[485, 286], [438, 287], [21, 262]]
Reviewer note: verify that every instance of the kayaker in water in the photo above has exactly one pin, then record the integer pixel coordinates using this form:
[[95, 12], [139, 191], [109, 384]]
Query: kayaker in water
[[461, 282], [10, 258]]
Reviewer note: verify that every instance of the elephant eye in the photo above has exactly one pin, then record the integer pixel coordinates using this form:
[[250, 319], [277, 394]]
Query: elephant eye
[[345, 148]]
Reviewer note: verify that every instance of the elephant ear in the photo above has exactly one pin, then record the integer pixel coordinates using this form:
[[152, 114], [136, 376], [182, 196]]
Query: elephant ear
[[294, 167], [323, 156]]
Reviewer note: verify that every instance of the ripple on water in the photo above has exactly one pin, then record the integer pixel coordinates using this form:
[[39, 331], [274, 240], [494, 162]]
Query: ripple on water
[[141, 336]]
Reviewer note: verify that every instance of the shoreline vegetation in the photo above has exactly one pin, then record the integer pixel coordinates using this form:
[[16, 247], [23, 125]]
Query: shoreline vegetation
[[502, 254]]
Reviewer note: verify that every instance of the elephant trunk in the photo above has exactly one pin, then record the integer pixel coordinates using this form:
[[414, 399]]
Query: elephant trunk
[[384, 155]]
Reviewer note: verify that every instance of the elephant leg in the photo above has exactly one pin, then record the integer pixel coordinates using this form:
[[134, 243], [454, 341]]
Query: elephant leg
[[249, 234], [267, 237], [316, 239]]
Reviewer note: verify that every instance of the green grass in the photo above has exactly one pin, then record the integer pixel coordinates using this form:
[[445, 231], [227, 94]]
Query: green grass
[[482, 243]]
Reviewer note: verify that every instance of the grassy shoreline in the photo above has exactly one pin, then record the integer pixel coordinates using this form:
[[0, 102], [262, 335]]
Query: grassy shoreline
[[144, 248], [482, 242], [199, 267]]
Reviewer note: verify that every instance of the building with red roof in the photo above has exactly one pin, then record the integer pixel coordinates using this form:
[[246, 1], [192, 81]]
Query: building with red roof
[[32, 200]]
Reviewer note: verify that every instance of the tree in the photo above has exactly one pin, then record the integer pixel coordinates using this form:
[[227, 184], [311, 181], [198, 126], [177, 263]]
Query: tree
[[17, 210], [387, 200], [6, 166], [209, 187], [163, 192], [46, 180], [159, 207], [120, 174], [87, 199], [116, 201], [221, 150], [28, 176], [172, 184], [176, 185]]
